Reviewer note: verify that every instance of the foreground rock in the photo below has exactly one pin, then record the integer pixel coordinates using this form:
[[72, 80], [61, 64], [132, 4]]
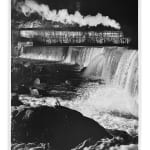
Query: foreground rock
[[63, 128]]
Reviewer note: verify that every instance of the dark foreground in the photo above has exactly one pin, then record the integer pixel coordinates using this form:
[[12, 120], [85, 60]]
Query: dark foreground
[[61, 128]]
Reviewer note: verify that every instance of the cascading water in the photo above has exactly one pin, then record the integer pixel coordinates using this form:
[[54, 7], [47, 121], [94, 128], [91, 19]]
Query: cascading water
[[44, 53], [126, 74], [117, 66], [71, 55], [82, 55]]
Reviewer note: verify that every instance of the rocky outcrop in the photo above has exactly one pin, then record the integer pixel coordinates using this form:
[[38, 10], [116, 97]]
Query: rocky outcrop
[[122, 137], [121, 141], [63, 128]]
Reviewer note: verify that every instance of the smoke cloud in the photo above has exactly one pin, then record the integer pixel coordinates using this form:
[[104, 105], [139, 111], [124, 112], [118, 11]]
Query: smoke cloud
[[29, 7]]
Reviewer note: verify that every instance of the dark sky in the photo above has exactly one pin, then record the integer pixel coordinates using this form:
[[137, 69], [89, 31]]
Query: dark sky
[[123, 11]]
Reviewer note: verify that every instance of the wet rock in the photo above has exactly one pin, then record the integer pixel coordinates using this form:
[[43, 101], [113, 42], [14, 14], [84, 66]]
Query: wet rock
[[125, 147], [18, 146], [135, 140], [63, 128], [22, 89], [123, 137], [34, 92], [30, 145], [67, 82], [15, 100], [83, 69], [103, 144], [27, 64], [37, 81], [38, 85], [36, 148], [38, 92], [106, 144]]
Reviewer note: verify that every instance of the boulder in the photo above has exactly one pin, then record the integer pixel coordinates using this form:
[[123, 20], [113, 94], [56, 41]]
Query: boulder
[[34, 92], [122, 137], [62, 127], [37, 81]]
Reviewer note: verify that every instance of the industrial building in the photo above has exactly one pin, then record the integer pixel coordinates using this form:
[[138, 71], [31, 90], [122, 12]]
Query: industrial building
[[77, 37]]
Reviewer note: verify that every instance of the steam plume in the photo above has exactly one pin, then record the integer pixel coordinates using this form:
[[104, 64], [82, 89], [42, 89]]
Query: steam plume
[[28, 7]]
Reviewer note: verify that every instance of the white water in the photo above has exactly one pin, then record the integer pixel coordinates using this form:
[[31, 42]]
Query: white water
[[119, 69], [44, 53], [117, 66], [70, 55]]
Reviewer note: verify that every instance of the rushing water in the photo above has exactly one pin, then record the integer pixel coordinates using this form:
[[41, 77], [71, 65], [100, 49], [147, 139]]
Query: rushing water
[[99, 82], [93, 79]]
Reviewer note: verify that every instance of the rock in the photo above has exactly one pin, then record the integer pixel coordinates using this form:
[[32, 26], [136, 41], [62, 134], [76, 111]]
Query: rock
[[38, 85], [18, 146], [22, 89], [34, 92], [123, 137], [27, 64], [83, 69], [135, 140], [62, 127], [15, 100], [128, 147], [30, 145], [67, 82], [36, 148], [37, 81]]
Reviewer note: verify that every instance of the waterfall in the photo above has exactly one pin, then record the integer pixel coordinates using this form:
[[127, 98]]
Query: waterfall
[[82, 55], [71, 55], [127, 72], [117, 66], [44, 53]]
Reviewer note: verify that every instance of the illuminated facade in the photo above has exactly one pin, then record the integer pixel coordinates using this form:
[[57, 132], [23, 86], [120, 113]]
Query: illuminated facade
[[61, 37]]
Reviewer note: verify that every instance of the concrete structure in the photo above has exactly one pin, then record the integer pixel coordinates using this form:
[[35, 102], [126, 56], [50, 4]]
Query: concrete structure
[[64, 37]]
